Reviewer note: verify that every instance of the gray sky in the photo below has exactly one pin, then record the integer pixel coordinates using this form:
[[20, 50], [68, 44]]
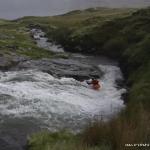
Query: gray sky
[[11, 9]]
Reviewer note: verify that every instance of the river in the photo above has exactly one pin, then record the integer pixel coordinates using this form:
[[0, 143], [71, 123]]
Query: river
[[32, 100]]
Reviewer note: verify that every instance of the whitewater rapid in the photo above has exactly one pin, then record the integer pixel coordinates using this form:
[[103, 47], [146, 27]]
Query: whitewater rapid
[[59, 103]]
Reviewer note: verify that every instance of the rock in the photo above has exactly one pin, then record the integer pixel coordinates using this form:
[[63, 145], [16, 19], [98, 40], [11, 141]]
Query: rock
[[14, 132], [63, 68], [7, 62], [5, 145]]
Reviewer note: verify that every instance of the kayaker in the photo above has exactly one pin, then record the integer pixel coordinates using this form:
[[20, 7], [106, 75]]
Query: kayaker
[[95, 84]]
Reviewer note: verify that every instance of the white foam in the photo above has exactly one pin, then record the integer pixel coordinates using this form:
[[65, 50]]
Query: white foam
[[40, 95], [43, 42]]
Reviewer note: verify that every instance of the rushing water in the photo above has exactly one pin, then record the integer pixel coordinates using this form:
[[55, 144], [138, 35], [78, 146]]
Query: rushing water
[[43, 42], [58, 103]]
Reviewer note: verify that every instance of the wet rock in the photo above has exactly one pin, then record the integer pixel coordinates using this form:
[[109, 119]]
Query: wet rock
[[17, 59], [4, 145], [64, 68], [7, 62], [14, 132], [36, 26]]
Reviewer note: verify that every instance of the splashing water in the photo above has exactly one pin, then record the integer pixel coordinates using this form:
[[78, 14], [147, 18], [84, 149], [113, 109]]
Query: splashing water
[[58, 103]]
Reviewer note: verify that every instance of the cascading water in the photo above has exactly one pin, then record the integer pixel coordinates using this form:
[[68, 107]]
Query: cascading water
[[55, 101], [43, 42]]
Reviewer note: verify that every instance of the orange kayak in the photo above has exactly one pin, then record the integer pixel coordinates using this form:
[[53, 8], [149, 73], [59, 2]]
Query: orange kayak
[[96, 86]]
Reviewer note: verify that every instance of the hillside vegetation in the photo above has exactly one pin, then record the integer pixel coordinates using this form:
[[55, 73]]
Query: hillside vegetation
[[122, 34], [16, 41]]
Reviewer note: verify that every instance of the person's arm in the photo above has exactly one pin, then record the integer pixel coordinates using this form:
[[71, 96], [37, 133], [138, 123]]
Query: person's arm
[[88, 82]]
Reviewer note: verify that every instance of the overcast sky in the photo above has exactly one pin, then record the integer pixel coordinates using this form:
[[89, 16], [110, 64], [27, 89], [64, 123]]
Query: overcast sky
[[11, 9]]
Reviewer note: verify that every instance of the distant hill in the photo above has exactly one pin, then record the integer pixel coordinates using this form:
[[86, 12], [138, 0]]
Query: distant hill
[[124, 3], [78, 4]]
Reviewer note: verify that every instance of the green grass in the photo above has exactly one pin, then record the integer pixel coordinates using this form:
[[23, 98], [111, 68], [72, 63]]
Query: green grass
[[3, 21], [78, 18], [59, 141], [15, 39]]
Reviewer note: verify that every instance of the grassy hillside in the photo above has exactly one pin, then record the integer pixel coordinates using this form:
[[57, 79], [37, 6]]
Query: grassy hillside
[[77, 17], [16, 41]]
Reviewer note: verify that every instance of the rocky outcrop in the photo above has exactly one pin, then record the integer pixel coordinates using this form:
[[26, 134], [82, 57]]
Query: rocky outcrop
[[63, 68]]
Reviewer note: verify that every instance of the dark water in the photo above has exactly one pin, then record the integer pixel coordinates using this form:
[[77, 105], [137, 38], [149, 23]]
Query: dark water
[[11, 9]]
